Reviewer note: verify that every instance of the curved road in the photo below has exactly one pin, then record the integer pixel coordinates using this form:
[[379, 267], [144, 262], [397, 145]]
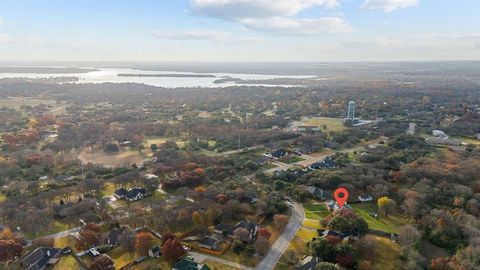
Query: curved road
[[284, 239]]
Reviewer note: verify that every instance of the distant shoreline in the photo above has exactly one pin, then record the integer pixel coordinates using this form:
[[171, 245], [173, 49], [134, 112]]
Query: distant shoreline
[[168, 75], [46, 70]]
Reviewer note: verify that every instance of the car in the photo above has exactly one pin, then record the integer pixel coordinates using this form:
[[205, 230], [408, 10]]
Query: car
[[373, 214], [94, 252]]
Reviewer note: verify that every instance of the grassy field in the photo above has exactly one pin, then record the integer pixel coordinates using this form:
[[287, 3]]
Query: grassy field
[[312, 223], [219, 266], [384, 256], [229, 255], [55, 227], [306, 234], [123, 158], [17, 102], [66, 262], [388, 224], [121, 257], [315, 211], [63, 242], [332, 124], [293, 160]]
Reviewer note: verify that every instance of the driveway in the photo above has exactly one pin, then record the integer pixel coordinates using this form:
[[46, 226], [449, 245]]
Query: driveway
[[284, 239], [200, 257]]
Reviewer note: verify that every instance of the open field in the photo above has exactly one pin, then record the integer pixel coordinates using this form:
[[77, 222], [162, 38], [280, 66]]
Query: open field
[[332, 124], [66, 262], [17, 102], [384, 256], [219, 266], [123, 158], [121, 257], [161, 140], [388, 224], [315, 211]]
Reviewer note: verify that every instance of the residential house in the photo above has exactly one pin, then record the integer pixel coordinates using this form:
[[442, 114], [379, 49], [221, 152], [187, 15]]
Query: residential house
[[113, 237], [308, 129], [333, 206], [133, 194], [326, 163], [308, 263], [277, 154], [316, 192], [155, 252], [365, 198], [40, 258], [189, 264], [224, 229], [209, 243], [252, 228], [120, 193], [150, 176], [325, 233]]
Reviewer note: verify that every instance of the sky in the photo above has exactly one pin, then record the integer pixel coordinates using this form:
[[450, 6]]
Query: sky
[[239, 30]]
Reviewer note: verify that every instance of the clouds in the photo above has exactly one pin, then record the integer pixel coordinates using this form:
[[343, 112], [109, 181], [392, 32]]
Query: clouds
[[207, 35], [281, 25], [192, 35], [4, 38], [388, 5], [275, 16], [248, 9]]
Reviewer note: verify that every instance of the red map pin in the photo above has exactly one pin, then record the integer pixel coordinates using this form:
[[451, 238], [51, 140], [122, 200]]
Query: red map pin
[[341, 196]]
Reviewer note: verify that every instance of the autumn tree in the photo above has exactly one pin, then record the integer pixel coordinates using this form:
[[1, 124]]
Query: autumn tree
[[44, 242], [200, 189], [102, 262], [167, 236], [262, 246], [242, 234], [87, 239], [408, 236], [264, 233], [127, 240], [386, 204], [143, 243], [281, 221], [93, 227], [9, 250], [172, 249], [197, 218]]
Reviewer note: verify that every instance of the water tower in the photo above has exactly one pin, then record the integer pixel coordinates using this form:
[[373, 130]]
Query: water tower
[[351, 111]]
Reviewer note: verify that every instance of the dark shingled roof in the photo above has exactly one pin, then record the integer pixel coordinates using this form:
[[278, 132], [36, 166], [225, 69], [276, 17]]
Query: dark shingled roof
[[38, 258]]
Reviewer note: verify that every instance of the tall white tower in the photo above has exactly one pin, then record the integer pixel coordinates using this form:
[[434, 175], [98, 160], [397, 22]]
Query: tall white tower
[[351, 111]]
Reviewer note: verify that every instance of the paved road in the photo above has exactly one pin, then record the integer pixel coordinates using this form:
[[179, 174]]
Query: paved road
[[309, 160], [233, 152], [284, 239], [200, 257]]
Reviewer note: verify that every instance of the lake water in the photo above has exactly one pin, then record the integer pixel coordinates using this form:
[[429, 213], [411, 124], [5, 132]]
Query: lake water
[[110, 75]]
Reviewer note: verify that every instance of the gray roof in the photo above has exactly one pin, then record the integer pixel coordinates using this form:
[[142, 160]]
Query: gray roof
[[38, 258]]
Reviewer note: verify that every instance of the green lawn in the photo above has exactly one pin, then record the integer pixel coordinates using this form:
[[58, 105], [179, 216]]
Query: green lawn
[[312, 223], [333, 124], [121, 257], [293, 160], [388, 224], [55, 227], [66, 262], [2, 197], [306, 234], [315, 211]]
